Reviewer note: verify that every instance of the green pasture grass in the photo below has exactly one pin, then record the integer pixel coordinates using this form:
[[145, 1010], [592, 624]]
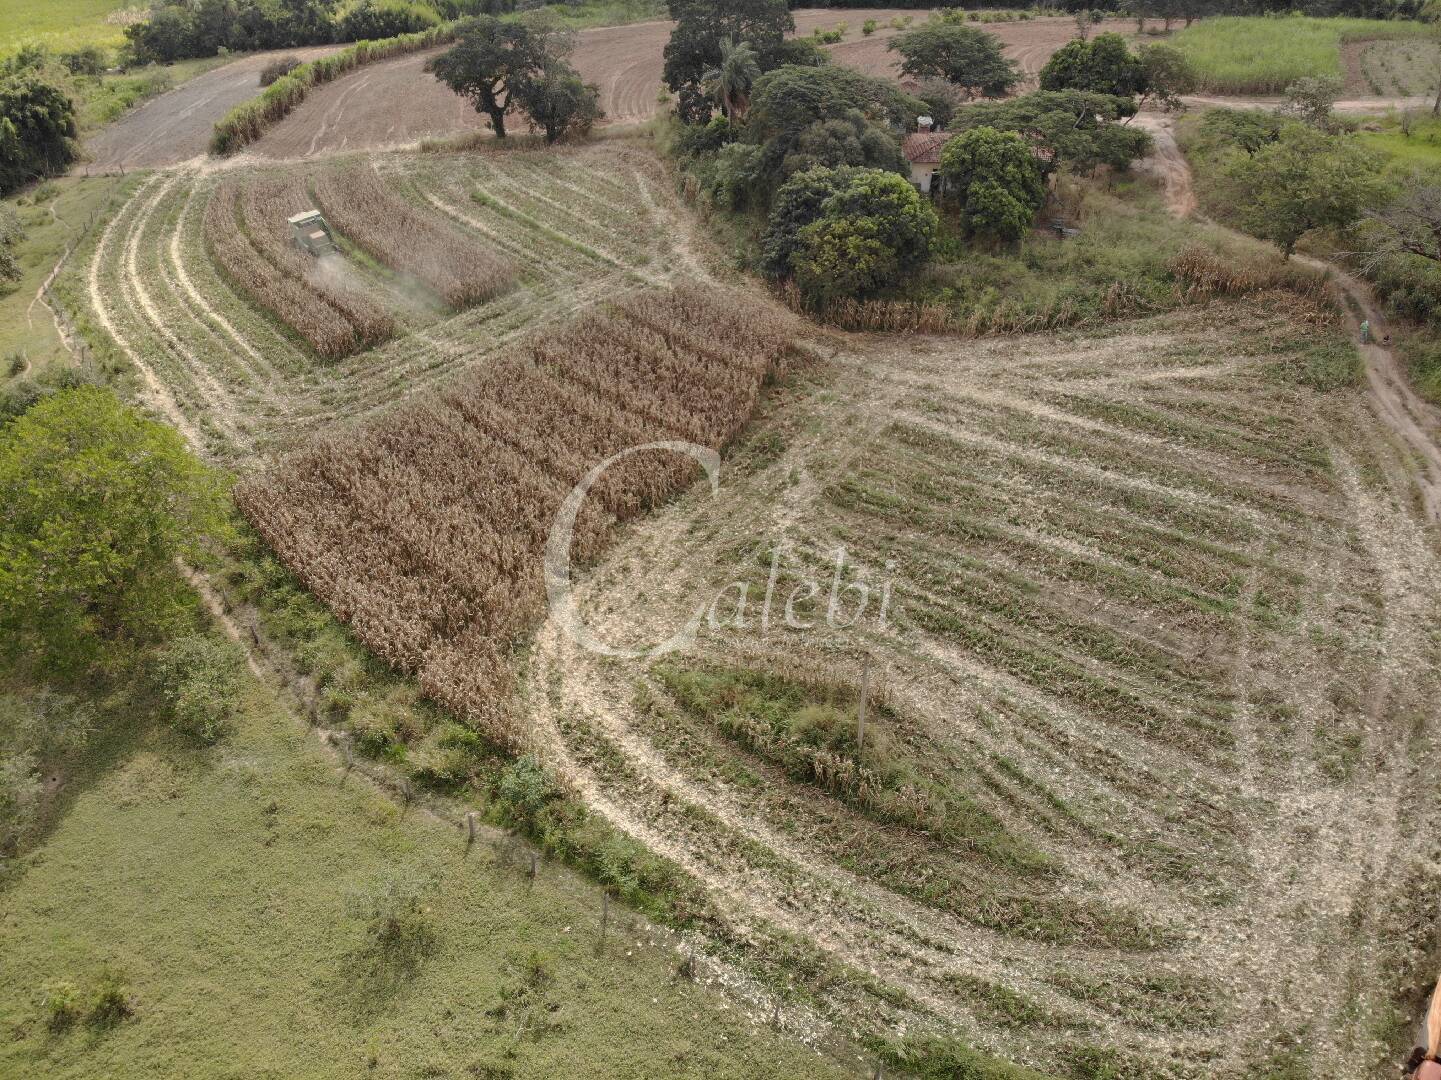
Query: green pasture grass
[[1420, 149], [60, 24], [54, 214], [216, 883], [588, 13], [1265, 54]]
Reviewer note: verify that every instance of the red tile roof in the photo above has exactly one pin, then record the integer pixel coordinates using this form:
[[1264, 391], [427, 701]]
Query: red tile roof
[[924, 147]]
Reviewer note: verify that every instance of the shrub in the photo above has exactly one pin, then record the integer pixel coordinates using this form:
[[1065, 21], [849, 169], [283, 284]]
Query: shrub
[[200, 679], [11, 233], [60, 1004], [396, 919], [525, 788], [868, 27], [374, 20], [110, 1001], [280, 66], [87, 61]]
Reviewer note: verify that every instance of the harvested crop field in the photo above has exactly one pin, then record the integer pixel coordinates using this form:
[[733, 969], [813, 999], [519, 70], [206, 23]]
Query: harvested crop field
[[1141, 779], [238, 355], [425, 530], [397, 103]]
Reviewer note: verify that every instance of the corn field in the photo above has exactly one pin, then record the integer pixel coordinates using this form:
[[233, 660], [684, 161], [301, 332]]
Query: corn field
[[424, 529], [247, 233], [460, 268]]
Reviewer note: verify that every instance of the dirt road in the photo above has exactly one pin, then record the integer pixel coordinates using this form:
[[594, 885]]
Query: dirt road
[[1415, 422], [397, 103], [176, 126]]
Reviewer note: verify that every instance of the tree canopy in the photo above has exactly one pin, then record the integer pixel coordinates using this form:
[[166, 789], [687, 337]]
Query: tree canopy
[[802, 116], [96, 502], [1073, 128], [962, 55], [729, 82], [492, 58], [995, 181], [694, 47], [844, 233], [558, 101], [11, 233], [1304, 180], [37, 129], [1103, 65]]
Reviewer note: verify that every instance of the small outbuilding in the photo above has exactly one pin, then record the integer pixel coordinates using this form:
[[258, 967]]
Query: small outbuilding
[[310, 233], [922, 149]]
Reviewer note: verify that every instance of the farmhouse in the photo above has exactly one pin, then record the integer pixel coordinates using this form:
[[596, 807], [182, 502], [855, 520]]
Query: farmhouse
[[923, 150]]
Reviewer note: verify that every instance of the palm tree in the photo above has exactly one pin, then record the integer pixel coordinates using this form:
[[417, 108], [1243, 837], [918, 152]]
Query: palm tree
[[730, 82]]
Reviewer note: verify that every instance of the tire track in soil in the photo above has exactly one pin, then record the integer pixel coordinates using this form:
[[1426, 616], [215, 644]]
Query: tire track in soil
[[158, 394]]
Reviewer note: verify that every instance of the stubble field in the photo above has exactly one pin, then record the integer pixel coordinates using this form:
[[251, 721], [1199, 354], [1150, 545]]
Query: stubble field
[[1139, 787], [571, 228]]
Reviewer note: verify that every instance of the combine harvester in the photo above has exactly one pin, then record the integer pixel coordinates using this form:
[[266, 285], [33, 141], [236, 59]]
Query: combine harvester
[[310, 233]]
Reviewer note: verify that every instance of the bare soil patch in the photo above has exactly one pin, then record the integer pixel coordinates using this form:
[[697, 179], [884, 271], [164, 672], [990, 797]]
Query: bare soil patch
[[176, 126], [398, 104]]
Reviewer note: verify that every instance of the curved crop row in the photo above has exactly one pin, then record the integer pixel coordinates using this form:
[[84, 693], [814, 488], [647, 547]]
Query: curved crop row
[[425, 529], [459, 267], [334, 321]]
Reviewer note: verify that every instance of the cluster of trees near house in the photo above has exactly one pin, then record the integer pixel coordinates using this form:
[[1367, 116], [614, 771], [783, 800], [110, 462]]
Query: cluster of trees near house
[[813, 153]]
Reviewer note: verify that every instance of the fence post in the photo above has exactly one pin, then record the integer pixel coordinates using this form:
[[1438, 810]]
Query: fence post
[[604, 919], [347, 751], [861, 708], [469, 828]]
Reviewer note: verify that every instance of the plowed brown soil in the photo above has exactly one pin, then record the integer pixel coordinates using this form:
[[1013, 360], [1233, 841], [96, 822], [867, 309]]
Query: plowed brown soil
[[397, 103]]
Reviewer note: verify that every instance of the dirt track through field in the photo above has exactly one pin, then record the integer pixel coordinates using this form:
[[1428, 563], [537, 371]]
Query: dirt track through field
[[176, 126], [1414, 422]]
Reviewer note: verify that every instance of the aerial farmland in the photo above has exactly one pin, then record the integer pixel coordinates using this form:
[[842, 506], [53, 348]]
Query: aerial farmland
[[624, 539]]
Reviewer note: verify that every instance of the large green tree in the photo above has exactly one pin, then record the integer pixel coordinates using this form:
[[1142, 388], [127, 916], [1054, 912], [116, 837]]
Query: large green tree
[[995, 182], [558, 101], [1103, 65], [850, 139], [962, 55], [37, 129], [96, 504], [1071, 128], [843, 233], [701, 26], [1305, 180], [791, 105], [492, 57]]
